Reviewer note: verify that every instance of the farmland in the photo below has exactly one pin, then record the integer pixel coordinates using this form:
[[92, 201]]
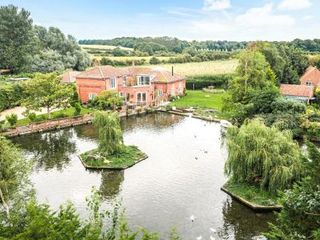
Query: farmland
[[203, 68]]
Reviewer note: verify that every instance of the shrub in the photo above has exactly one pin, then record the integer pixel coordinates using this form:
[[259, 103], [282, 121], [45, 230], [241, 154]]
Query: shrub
[[32, 116], [12, 119], [154, 61], [77, 109]]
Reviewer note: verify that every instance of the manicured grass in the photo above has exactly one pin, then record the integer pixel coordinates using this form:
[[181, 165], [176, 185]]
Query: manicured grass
[[203, 68], [129, 156], [252, 194], [200, 99]]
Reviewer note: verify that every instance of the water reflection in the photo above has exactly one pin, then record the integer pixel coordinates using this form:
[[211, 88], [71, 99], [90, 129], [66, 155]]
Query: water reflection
[[242, 222], [151, 121], [50, 150], [111, 183]]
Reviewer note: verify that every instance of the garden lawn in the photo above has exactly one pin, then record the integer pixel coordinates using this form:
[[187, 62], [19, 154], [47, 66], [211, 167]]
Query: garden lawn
[[129, 156], [252, 194], [200, 99]]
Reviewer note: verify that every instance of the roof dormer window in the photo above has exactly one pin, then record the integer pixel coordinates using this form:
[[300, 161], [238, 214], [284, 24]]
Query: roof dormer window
[[143, 80]]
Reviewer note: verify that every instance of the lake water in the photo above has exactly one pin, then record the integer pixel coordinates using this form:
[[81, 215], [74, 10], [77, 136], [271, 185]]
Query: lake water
[[182, 177]]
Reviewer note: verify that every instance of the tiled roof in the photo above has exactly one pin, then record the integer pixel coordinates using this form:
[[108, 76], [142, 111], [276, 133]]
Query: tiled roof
[[101, 72], [158, 74], [297, 90], [70, 76], [312, 75]]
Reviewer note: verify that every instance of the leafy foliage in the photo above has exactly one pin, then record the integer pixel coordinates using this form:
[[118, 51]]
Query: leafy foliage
[[107, 100], [16, 38], [300, 218], [29, 48], [110, 133], [262, 156], [45, 90], [13, 175]]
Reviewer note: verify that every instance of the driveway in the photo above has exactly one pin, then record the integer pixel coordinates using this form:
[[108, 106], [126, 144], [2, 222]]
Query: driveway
[[19, 111]]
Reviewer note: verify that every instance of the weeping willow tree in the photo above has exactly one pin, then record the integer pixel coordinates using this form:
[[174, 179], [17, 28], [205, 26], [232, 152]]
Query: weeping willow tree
[[262, 156], [110, 133], [13, 175]]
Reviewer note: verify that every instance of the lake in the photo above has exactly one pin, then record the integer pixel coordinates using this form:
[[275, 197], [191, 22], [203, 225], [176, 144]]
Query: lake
[[182, 177]]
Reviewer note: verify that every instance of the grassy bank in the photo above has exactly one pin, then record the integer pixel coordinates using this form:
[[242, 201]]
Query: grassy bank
[[252, 194], [129, 156], [64, 113]]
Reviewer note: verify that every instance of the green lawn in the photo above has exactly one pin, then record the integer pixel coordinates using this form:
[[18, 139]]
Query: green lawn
[[200, 99], [252, 194]]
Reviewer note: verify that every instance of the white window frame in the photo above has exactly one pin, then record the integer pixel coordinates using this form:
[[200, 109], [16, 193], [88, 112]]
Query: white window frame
[[141, 98], [92, 96], [113, 83], [141, 80]]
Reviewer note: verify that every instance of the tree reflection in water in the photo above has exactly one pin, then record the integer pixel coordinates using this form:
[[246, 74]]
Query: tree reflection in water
[[111, 183], [240, 221], [50, 150], [156, 121]]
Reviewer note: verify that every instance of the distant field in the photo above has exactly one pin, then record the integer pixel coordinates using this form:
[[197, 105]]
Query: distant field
[[137, 58], [104, 47], [203, 68]]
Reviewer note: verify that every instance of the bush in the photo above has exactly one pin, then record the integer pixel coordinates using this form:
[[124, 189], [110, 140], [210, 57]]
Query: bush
[[77, 109], [32, 116], [41, 118], [12, 119], [154, 61]]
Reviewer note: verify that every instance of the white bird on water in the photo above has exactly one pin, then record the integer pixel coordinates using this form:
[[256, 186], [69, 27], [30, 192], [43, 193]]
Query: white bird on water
[[192, 218], [213, 230]]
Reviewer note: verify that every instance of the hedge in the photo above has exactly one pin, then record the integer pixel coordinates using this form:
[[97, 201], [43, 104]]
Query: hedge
[[204, 81]]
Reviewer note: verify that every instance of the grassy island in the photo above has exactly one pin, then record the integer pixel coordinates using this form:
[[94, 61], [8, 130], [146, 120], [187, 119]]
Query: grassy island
[[252, 194], [111, 153], [129, 156]]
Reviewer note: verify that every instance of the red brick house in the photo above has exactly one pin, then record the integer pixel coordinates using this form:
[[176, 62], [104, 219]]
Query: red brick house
[[138, 85], [311, 77], [305, 91]]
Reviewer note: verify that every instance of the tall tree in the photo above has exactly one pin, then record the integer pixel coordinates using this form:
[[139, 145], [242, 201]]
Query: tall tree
[[253, 73], [110, 133], [16, 38], [262, 156], [46, 91]]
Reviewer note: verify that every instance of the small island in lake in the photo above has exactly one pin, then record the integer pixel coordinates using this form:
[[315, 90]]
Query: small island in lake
[[111, 153]]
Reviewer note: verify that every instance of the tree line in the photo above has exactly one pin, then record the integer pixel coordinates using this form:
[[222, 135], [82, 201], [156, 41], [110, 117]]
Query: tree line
[[174, 45], [26, 47]]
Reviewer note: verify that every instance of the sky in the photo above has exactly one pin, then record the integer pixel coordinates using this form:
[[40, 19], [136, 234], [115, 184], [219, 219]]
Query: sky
[[239, 20]]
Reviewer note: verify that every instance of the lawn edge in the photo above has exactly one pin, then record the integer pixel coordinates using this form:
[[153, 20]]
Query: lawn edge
[[253, 206]]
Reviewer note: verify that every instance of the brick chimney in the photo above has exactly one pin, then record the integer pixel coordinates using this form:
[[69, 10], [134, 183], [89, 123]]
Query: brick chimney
[[172, 71]]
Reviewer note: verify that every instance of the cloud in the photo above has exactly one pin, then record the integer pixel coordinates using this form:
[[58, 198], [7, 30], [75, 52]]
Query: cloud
[[294, 4], [264, 16], [216, 5]]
